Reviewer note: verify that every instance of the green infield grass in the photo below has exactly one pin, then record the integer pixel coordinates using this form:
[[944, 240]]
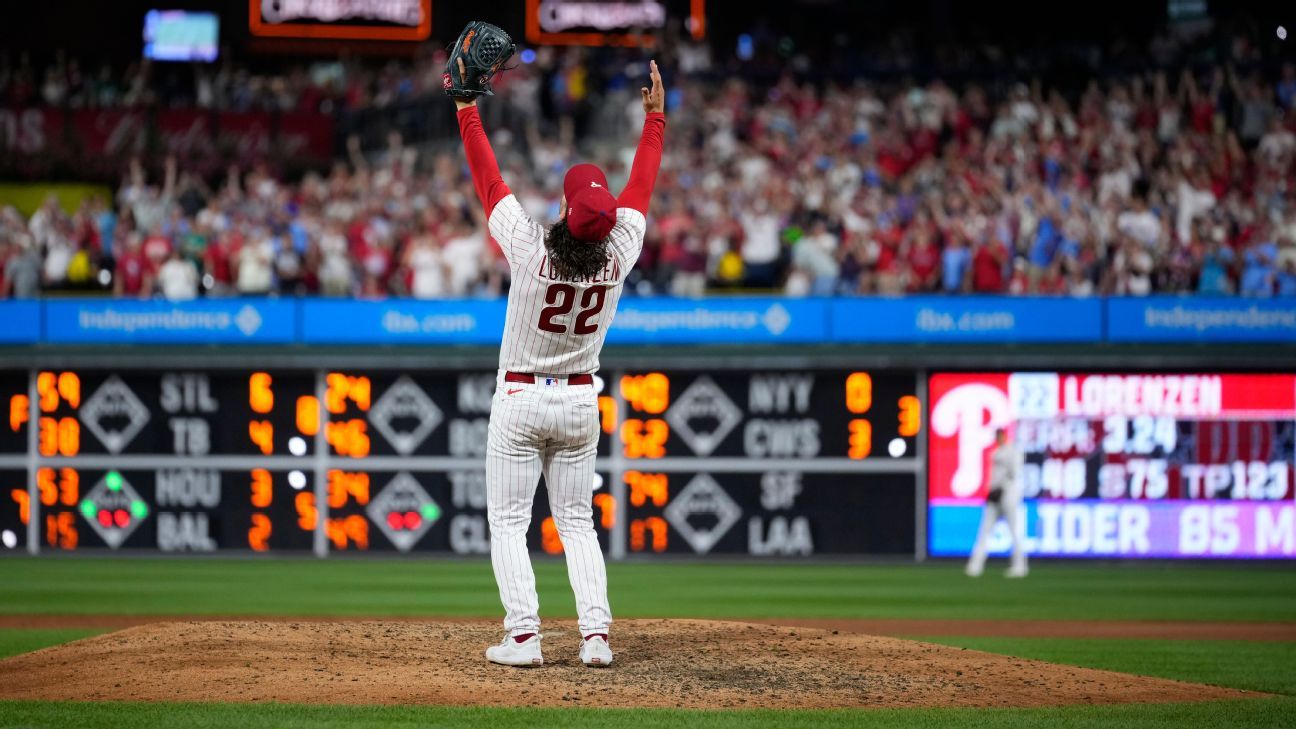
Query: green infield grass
[[1275, 712], [156, 586], [22, 640]]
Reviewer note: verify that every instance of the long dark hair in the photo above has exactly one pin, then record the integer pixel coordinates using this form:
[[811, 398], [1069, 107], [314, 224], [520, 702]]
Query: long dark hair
[[571, 259]]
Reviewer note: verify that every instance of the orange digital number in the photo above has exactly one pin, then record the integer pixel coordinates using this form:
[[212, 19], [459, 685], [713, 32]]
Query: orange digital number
[[259, 533], [346, 530], [859, 392], [348, 437], [69, 486], [343, 485], [46, 486], [260, 396], [607, 413], [308, 415], [47, 391], [23, 499], [19, 411], [61, 531], [641, 529], [51, 388], [69, 387], [48, 437], [861, 439], [59, 436], [341, 387], [910, 416], [66, 489], [262, 434], [262, 490], [550, 542], [606, 504], [648, 393], [645, 487], [307, 514], [644, 438]]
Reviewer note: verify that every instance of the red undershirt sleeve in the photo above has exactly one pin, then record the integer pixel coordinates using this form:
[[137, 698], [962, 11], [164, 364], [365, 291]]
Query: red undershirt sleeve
[[481, 160], [643, 173]]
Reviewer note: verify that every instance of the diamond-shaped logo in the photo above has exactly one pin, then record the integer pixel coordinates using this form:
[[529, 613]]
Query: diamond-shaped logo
[[703, 415], [248, 320], [405, 415], [114, 414], [776, 319], [403, 511], [702, 513], [113, 509]]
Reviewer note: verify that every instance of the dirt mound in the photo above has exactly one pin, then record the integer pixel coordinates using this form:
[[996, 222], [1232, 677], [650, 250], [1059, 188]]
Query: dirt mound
[[904, 627], [686, 663]]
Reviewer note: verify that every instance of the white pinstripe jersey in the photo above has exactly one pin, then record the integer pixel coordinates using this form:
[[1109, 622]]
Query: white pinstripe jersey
[[553, 326]]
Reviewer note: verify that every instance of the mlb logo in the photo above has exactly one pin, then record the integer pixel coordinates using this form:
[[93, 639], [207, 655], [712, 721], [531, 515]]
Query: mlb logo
[[550, 381]]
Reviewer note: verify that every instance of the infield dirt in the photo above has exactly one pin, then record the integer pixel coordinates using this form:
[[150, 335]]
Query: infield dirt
[[659, 663]]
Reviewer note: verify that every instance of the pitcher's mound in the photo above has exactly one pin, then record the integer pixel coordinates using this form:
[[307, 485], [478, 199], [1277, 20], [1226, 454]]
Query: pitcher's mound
[[688, 663]]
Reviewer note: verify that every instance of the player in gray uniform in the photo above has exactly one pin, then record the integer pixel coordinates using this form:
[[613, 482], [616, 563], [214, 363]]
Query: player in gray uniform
[[1003, 501]]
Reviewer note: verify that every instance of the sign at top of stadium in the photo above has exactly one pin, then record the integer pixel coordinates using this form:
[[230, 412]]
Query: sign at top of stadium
[[399, 20], [557, 16], [610, 22]]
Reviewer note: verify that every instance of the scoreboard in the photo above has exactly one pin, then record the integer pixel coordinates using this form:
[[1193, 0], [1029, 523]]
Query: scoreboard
[[1165, 465], [771, 463]]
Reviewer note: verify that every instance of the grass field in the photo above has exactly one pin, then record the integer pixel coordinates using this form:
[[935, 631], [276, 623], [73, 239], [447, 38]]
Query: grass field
[[1205, 593]]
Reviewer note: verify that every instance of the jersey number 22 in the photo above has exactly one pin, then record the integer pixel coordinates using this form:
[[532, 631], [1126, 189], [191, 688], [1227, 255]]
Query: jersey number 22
[[561, 298]]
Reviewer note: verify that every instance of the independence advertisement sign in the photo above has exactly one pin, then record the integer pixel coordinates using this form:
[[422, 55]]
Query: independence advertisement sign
[[1185, 319], [207, 321], [732, 320]]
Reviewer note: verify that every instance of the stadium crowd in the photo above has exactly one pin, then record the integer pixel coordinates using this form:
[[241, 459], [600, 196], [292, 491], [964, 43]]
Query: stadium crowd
[[1161, 181]]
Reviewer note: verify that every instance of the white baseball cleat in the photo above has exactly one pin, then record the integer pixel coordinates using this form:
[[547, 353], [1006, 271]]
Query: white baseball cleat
[[595, 652], [971, 571], [1017, 572], [512, 653]]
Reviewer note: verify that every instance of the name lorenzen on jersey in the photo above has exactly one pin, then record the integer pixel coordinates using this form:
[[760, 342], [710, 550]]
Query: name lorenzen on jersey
[[611, 273]]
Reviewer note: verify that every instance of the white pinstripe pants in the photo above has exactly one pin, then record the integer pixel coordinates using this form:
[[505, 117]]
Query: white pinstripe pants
[[552, 430]]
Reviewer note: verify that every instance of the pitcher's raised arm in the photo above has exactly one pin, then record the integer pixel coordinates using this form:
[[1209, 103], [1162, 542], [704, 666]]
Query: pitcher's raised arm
[[481, 158], [643, 173]]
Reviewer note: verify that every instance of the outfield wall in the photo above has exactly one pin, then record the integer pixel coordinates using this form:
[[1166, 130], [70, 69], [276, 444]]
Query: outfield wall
[[803, 441]]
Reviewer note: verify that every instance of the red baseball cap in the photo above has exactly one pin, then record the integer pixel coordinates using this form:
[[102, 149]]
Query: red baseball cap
[[591, 208]]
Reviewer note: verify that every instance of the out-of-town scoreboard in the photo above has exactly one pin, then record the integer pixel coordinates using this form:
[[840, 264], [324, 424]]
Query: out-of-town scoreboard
[[771, 463]]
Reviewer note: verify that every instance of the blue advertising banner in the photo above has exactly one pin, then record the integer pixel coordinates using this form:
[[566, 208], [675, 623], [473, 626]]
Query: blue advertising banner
[[1200, 319], [1187, 529], [966, 319], [712, 321], [402, 321], [22, 322], [205, 321], [728, 320]]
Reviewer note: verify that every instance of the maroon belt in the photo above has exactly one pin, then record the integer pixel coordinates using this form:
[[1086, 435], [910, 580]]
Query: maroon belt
[[529, 379]]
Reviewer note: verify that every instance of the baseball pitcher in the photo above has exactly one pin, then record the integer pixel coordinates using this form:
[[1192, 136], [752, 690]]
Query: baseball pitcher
[[1003, 501], [566, 281]]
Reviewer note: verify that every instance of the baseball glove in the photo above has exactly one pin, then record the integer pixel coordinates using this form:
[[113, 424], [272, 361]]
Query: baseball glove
[[480, 51]]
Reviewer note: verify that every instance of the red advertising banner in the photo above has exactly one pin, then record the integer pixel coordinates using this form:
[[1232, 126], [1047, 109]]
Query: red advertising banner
[[111, 132], [97, 142], [304, 134], [245, 137], [187, 134], [29, 131]]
